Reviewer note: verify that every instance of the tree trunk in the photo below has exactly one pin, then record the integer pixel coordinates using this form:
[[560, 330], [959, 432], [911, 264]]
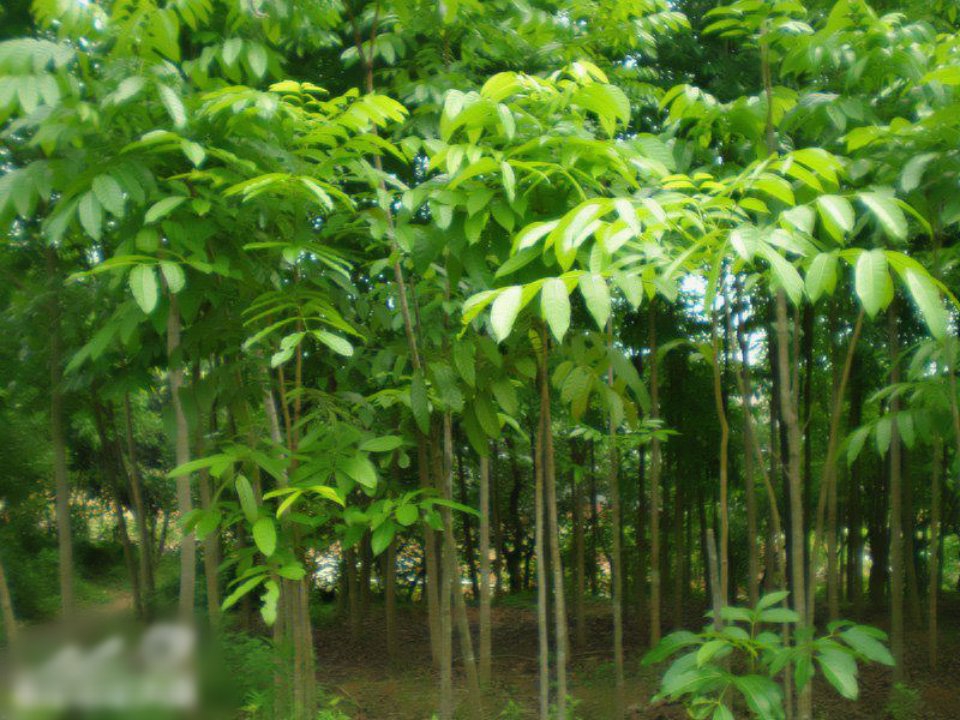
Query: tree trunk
[[59, 443], [896, 505], [7, 615], [909, 546], [188, 565], [749, 489], [211, 542], [431, 566], [654, 609], [139, 507], [933, 581], [724, 463], [451, 579], [828, 490], [543, 642], [485, 637], [468, 544], [579, 545], [390, 600], [788, 409], [616, 565], [550, 496]]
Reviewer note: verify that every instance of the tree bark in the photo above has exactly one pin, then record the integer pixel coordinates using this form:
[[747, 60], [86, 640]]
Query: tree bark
[[7, 615], [788, 409], [550, 496], [616, 565], [828, 490], [654, 479], [933, 579], [59, 443], [724, 462], [188, 565], [749, 489], [139, 507], [896, 503], [543, 642], [485, 636]]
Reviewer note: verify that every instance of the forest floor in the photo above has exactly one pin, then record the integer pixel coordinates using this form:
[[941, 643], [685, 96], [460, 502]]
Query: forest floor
[[374, 688]]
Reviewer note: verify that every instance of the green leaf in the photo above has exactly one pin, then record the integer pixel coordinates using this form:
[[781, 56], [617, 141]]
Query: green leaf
[[164, 207], [504, 312], [248, 502], [360, 469], [143, 285], [265, 535], [173, 104], [257, 57], [771, 599], [708, 650], [925, 294], [293, 571], [387, 443], [885, 209], [779, 615], [407, 515], [762, 695], [837, 215], [91, 215], [872, 280], [555, 306], [669, 645], [173, 275], [821, 276], [867, 645], [270, 598], [382, 537], [509, 181], [339, 345], [419, 404], [840, 669], [109, 193], [722, 712], [242, 590], [595, 292], [785, 273]]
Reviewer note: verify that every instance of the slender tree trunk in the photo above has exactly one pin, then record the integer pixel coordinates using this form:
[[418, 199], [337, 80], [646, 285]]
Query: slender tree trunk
[[550, 495], [543, 642], [724, 463], [616, 566], [7, 615], [431, 566], [451, 573], [485, 630], [909, 546], [188, 565], [580, 565], [139, 507], [211, 542], [749, 488], [59, 443], [390, 600], [896, 504], [788, 409], [468, 544], [933, 580], [654, 479], [828, 490], [496, 520]]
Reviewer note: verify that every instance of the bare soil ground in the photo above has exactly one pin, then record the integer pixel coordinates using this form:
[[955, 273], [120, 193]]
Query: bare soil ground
[[375, 688]]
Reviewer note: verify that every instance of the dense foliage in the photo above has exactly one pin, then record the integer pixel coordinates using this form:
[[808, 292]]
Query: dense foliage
[[566, 296]]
